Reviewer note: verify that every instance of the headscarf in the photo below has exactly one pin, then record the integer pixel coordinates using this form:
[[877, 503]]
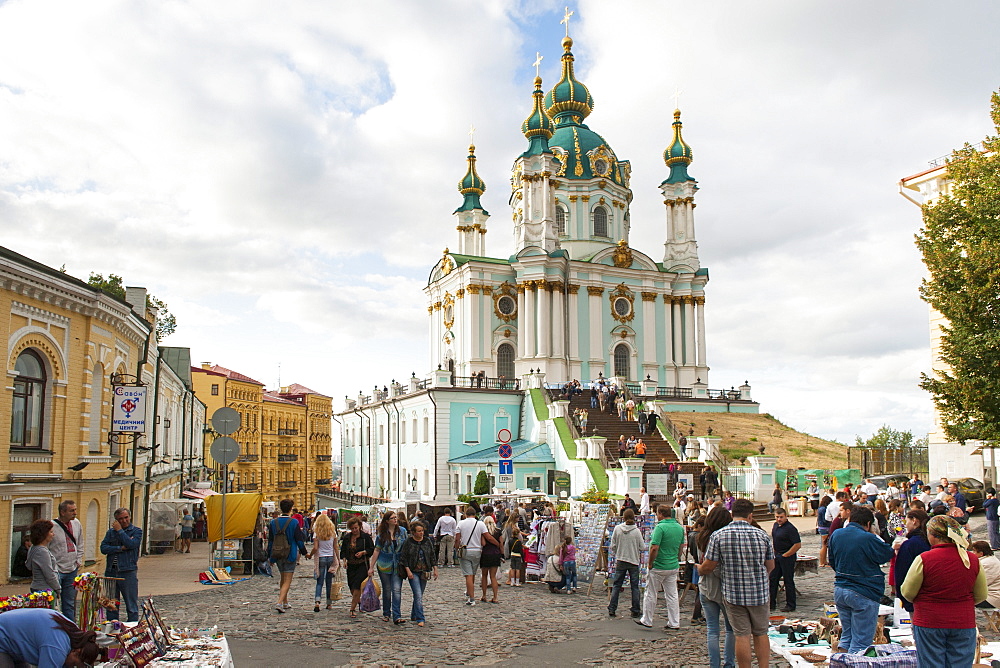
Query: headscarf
[[948, 530]]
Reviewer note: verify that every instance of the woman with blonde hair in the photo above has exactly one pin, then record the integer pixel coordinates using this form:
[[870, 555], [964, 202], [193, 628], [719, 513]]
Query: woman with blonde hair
[[324, 546], [490, 560]]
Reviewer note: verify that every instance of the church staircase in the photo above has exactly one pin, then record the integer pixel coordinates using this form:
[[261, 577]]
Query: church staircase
[[608, 425]]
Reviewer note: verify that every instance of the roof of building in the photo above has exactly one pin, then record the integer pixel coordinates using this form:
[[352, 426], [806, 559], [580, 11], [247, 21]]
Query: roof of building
[[472, 185], [229, 373], [274, 397], [296, 388], [678, 155], [178, 359], [525, 452]]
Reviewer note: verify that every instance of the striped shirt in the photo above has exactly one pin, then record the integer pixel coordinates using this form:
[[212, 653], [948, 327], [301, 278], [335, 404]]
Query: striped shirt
[[741, 550]]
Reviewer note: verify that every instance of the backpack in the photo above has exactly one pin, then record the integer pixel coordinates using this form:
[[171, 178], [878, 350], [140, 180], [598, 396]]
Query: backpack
[[280, 548]]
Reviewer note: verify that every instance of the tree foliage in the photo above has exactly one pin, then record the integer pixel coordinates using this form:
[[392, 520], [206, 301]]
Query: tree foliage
[[482, 485], [960, 244], [166, 322], [886, 438]]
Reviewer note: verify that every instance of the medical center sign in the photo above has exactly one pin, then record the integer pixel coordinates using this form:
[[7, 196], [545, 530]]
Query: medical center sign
[[129, 414]]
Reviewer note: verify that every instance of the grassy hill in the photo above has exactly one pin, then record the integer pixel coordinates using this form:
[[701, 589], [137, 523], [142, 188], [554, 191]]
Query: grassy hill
[[742, 435]]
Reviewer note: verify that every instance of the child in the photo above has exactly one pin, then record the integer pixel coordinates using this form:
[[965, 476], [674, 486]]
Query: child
[[516, 558], [567, 557]]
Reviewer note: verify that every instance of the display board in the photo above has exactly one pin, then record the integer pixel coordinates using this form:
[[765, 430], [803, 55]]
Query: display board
[[140, 645], [590, 539], [646, 523]]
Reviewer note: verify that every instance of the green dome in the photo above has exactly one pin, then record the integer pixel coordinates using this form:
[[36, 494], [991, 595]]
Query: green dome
[[568, 97], [471, 185], [537, 127], [678, 155], [583, 153]]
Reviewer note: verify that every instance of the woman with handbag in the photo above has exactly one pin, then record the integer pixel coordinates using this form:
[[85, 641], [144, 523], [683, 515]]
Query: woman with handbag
[[492, 556], [327, 563], [388, 546], [418, 564], [356, 547]]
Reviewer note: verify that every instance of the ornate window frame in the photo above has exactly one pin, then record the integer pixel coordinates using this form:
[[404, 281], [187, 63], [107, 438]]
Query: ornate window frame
[[622, 292]]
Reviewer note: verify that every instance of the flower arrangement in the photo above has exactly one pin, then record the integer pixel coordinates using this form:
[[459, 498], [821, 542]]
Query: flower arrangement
[[85, 581], [36, 599]]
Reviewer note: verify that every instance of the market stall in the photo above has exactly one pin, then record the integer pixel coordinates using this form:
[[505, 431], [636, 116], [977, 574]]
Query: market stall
[[242, 512]]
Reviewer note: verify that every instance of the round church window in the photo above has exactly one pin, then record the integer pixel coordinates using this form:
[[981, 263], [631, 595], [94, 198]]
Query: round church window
[[449, 313], [623, 306], [601, 167], [506, 305]]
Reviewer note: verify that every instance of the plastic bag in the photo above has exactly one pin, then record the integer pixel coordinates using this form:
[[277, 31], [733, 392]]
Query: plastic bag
[[369, 598], [337, 587]]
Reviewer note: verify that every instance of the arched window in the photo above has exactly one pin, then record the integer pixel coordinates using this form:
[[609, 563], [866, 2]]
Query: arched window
[[96, 406], [505, 361], [621, 360], [600, 222], [560, 220], [29, 402]]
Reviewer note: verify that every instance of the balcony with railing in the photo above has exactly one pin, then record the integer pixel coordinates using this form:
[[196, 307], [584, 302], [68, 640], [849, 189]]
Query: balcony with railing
[[395, 389], [249, 487], [324, 481], [324, 458], [247, 458], [487, 383], [285, 459], [287, 483], [288, 432]]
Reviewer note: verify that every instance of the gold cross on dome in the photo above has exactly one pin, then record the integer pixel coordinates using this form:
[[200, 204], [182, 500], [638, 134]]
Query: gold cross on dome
[[677, 97], [566, 19], [538, 61], [472, 133]]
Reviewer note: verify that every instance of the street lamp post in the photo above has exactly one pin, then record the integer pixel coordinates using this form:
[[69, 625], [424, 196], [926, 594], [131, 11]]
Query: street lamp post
[[489, 475]]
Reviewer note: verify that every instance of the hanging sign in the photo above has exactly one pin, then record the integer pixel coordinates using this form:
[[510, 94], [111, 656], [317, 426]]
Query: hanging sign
[[129, 410]]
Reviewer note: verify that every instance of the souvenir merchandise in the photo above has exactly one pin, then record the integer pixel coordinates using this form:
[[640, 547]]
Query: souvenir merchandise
[[646, 524], [139, 644], [588, 543], [37, 599]]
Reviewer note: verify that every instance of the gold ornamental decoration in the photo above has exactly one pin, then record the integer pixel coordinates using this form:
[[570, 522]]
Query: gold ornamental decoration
[[622, 255], [448, 310], [447, 264], [622, 304], [505, 302]]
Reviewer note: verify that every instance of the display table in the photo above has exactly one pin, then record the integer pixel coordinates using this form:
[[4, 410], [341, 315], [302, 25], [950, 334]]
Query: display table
[[190, 652], [806, 563]]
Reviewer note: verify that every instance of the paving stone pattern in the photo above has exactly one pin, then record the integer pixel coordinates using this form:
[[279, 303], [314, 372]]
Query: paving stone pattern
[[528, 625]]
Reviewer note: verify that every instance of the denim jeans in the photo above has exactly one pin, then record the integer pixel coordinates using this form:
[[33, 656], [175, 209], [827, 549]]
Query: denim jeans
[[392, 589], [127, 590], [858, 617], [67, 597], [324, 575], [993, 533], [569, 571], [417, 586], [945, 648], [623, 568], [712, 611]]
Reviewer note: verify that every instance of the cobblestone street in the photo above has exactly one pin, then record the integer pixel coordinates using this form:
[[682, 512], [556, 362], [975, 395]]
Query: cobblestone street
[[529, 625]]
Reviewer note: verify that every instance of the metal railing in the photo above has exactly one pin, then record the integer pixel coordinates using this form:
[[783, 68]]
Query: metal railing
[[248, 458], [324, 481], [487, 383], [354, 499], [324, 458], [287, 483], [288, 458], [674, 392], [249, 487]]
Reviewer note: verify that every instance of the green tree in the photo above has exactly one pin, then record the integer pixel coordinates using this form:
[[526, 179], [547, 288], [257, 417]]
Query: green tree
[[166, 322], [960, 244], [482, 485], [885, 437]]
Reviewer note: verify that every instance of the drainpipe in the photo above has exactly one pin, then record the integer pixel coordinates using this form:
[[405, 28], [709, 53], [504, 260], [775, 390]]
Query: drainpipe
[[334, 418], [135, 439], [388, 448], [361, 448], [152, 453], [430, 395]]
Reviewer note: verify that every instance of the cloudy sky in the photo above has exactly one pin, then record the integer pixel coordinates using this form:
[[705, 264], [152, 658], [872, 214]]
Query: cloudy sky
[[284, 177]]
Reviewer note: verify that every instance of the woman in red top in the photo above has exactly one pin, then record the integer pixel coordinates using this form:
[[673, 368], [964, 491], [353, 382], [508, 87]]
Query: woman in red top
[[945, 583]]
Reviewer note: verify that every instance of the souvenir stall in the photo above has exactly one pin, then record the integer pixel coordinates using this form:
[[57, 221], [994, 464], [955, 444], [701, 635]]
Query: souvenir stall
[[544, 539], [593, 526], [646, 523]]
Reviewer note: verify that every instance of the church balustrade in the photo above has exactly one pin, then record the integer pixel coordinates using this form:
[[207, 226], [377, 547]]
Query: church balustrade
[[488, 383]]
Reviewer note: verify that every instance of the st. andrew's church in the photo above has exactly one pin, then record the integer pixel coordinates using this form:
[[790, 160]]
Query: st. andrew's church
[[572, 300]]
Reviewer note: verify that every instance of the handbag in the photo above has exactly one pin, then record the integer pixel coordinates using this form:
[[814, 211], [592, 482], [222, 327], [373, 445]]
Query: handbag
[[369, 598], [337, 586], [460, 551]]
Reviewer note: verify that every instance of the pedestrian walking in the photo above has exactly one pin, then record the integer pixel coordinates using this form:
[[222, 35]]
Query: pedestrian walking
[[388, 546], [121, 545], [776, 499], [356, 548], [444, 532], [418, 561], [490, 559], [567, 561], [514, 577], [68, 548], [187, 530], [643, 501], [325, 554], [665, 547], [651, 418], [643, 420], [945, 583], [41, 562], [744, 557], [285, 544], [857, 553], [710, 592], [786, 545], [990, 507], [627, 545], [470, 550]]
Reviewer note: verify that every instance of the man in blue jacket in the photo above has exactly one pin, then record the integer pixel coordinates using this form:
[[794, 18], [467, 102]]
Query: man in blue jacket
[[857, 553], [121, 545]]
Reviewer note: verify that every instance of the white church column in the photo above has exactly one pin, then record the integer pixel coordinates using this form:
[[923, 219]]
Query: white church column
[[677, 330], [558, 322], [544, 317], [465, 329], [473, 328], [574, 318], [700, 313], [522, 330], [596, 332], [648, 328], [668, 329], [528, 334], [689, 343]]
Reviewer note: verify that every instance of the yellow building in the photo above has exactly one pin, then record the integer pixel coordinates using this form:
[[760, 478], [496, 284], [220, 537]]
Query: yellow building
[[65, 339], [284, 436]]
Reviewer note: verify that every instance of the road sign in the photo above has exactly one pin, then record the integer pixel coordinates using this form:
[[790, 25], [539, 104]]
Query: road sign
[[506, 467], [225, 421], [503, 436], [225, 450], [505, 451], [505, 478]]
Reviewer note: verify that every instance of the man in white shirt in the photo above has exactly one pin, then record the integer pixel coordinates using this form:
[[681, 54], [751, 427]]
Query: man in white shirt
[[643, 501], [68, 549], [444, 531], [470, 534], [833, 509], [870, 488]]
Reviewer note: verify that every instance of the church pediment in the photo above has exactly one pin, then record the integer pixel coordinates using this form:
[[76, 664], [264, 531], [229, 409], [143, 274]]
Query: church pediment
[[623, 257]]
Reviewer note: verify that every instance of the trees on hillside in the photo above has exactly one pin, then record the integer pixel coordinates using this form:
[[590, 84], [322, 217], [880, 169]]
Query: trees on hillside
[[960, 243], [887, 438]]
